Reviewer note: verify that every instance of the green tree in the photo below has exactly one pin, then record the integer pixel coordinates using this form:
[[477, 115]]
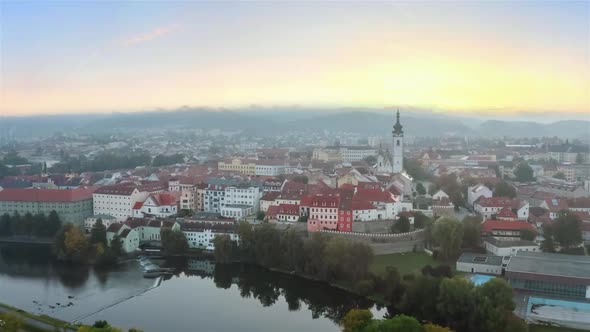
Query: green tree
[[499, 292], [173, 242], [504, 189], [420, 188], [559, 175], [402, 225], [371, 160], [293, 252], [420, 220], [53, 223], [399, 323], [98, 234], [567, 229], [117, 246], [471, 231], [456, 303], [224, 248], [266, 244], [524, 173], [420, 298], [6, 225], [448, 233], [356, 320], [436, 328], [515, 324], [547, 245], [260, 215], [527, 234], [10, 322], [246, 243]]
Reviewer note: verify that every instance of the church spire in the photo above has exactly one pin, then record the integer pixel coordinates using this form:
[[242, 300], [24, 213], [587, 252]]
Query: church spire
[[397, 128]]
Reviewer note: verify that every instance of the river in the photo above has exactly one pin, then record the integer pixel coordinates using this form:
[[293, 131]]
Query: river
[[200, 296]]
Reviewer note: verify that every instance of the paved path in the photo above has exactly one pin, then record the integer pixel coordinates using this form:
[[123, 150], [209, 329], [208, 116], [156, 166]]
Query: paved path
[[33, 322]]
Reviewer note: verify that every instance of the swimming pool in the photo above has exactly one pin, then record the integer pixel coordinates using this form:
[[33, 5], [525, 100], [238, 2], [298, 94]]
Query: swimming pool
[[480, 279]]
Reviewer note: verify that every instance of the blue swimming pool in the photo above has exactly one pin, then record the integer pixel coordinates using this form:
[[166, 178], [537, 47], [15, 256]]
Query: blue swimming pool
[[480, 279]]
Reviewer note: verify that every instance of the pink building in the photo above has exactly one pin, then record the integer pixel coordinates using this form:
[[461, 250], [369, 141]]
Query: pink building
[[323, 212]]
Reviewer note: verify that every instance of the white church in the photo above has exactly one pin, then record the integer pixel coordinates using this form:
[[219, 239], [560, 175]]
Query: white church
[[388, 162]]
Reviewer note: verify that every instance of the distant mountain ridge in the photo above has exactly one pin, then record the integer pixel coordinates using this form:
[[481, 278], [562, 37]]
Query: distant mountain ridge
[[360, 120]]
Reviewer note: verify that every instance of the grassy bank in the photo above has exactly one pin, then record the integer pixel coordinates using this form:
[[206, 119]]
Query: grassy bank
[[542, 328], [405, 263], [54, 322]]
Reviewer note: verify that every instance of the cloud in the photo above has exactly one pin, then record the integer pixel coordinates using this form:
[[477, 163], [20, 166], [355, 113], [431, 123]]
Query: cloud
[[154, 34]]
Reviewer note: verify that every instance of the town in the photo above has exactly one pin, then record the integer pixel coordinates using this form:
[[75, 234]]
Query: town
[[515, 208]]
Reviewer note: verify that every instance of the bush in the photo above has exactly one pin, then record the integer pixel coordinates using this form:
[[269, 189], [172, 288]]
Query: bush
[[365, 287]]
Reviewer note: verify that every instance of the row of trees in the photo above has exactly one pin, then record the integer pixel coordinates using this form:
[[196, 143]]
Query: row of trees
[[453, 302], [332, 259], [12, 158], [72, 245], [103, 326], [361, 320], [38, 225]]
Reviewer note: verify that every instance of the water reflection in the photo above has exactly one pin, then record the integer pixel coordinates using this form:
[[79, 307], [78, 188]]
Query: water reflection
[[32, 279]]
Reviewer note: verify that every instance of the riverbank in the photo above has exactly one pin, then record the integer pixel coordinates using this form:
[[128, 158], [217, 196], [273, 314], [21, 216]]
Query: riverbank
[[37, 323]]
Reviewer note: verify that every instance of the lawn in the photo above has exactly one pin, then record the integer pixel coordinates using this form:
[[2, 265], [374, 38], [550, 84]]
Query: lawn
[[405, 263], [541, 328]]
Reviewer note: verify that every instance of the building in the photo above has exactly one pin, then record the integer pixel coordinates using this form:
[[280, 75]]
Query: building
[[201, 234], [488, 207], [243, 166], [440, 195], [243, 196], [267, 167], [505, 229], [237, 211], [323, 212], [477, 191], [118, 200], [129, 237], [106, 219], [569, 153], [480, 263], [71, 205], [398, 146], [549, 273], [283, 213], [161, 205], [213, 198], [554, 206], [500, 247]]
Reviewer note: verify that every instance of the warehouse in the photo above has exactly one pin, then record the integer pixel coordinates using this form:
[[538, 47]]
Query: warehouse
[[558, 274]]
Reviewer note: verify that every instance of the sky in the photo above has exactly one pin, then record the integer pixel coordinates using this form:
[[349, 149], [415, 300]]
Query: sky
[[481, 57]]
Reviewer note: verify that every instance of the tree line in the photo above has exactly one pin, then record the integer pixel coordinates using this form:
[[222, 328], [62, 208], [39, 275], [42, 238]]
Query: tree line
[[332, 259], [39, 225], [361, 320], [72, 245]]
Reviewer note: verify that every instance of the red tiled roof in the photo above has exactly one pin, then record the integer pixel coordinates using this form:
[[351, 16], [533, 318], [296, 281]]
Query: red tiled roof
[[46, 195], [509, 225], [581, 202], [288, 209], [272, 211], [124, 189], [114, 227], [506, 213], [495, 201], [305, 201], [137, 205], [164, 199], [374, 195], [394, 190], [361, 205], [556, 204], [325, 201], [583, 215], [270, 196]]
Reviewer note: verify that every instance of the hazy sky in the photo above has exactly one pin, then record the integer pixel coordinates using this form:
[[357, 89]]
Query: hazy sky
[[78, 56]]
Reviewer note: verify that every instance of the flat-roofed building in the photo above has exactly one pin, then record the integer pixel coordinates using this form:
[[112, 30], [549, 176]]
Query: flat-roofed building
[[480, 263], [558, 274]]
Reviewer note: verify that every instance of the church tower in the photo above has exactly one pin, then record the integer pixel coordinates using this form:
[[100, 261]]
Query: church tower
[[398, 146]]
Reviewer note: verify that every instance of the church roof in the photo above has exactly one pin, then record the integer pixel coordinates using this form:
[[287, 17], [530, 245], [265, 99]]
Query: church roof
[[397, 127]]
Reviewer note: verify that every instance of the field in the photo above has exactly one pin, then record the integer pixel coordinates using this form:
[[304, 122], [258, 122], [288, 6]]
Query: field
[[406, 263], [541, 328]]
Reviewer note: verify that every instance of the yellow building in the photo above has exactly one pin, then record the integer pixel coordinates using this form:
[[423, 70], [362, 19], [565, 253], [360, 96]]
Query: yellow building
[[244, 166]]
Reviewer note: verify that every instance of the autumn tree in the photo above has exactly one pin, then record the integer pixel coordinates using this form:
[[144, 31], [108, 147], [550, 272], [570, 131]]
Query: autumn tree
[[356, 320], [448, 233]]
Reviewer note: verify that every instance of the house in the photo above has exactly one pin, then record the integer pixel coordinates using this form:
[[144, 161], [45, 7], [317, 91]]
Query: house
[[509, 229], [477, 191], [201, 235], [443, 208], [480, 263], [581, 204], [488, 207], [268, 199], [161, 205], [323, 213], [129, 237], [106, 219], [119, 200], [501, 247], [363, 210], [440, 195], [506, 214], [554, 206], [283, 213]]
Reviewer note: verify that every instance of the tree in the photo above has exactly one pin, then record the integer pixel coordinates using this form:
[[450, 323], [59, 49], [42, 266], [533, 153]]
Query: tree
[[456, 303], [435, 328], [515, 324], [527, 234], [173, 242], [117, 246], [98, 234], [71, 244], [6, 225], [524, 173], [371, 160], [53, 223], [399, 323], [402, 225], [246, 243], [448, 232], [420, 188], [471, 231], [292, 248], [567, 229], [224, 248], [504, 189], [260, 215], [420, 220], [356, 320], [267, 242], [499, 292], [559, 175], [547, 245]]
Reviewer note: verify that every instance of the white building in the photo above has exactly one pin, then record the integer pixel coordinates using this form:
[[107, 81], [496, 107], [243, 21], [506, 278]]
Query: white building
[[477, 191], [107, 220], [237, 211], [270, 167], [243, 196], [489, 207], [508, 247], [118, 200], [355, 153], [480, 263], [201, 235], [160, 205], [214, 198], [129, 237], [440, 195], [398, 146]]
